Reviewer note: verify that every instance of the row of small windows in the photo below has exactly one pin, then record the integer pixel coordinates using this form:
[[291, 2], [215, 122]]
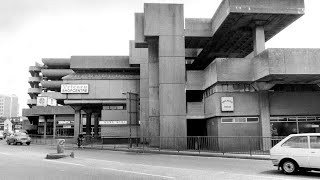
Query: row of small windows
[[228, 88], [240, 120], [120, 107]]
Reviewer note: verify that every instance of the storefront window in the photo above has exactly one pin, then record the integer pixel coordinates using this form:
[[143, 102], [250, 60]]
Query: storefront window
[[284, 126]]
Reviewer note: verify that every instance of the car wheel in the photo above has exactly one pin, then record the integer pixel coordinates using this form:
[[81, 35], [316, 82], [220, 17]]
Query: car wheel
[[8, 143], [289, 167], [28, 143]]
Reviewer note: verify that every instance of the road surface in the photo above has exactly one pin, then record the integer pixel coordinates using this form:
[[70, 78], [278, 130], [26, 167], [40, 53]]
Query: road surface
[[28, 162]]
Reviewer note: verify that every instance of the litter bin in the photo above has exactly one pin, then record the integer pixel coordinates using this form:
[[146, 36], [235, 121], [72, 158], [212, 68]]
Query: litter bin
[[60, 145]]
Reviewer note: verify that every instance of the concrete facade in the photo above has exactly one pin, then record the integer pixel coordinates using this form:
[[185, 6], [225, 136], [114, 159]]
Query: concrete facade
[[180, 71]]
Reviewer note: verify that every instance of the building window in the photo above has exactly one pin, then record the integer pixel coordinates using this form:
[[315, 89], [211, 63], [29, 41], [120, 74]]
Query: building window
[[115, 107], [284, 126], [240, 120]]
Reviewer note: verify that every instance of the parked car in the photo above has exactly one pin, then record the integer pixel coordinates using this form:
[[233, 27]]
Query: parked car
[[18, 138], [1, 135], [297, 152]]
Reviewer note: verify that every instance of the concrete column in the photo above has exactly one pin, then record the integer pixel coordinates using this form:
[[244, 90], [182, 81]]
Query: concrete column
[[153, 69], [96, 124], [144, 100], [265, 119], [77, 123], [54, 126], [45, 128], [88, 124], [258, 39]]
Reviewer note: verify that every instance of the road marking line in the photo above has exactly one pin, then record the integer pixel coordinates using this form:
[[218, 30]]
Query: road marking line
[[133, 172], [5, 153], [63, 162], [135, 164]]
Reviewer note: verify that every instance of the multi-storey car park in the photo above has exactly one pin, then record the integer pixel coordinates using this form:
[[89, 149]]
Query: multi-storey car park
[[189, 77]]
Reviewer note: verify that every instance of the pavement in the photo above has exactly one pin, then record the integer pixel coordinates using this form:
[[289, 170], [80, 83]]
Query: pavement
[[171, 152]]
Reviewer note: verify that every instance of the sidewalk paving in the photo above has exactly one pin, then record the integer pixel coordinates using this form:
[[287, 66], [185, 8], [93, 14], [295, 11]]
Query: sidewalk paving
[[121, 147]]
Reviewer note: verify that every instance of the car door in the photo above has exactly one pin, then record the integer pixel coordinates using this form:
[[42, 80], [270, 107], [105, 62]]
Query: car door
[[297, 148], [314, 156]]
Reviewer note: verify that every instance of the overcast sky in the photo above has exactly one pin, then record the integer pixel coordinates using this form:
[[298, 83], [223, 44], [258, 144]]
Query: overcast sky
[[34, 29]]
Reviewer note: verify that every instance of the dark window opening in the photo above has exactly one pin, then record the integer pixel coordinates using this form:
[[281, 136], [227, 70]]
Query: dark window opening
[[194, 96], [295, 87]]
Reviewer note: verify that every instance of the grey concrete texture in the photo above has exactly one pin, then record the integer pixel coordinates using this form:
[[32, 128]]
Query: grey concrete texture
[[163, 19], [57, 62], [195, 80], [105, 89], [171, 46], [154, 101], [48, 110], [56, 73], [99, 62], [286, 62], [137, 55], [256, 6], [172, 70], [198, 27], [173, 126], [173, 99], [139, 27]]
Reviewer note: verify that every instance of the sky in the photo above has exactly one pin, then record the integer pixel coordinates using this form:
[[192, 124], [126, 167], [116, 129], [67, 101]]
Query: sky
[[34, 29]]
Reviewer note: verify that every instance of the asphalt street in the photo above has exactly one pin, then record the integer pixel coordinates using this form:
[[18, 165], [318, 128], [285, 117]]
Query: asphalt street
[[28, 162]]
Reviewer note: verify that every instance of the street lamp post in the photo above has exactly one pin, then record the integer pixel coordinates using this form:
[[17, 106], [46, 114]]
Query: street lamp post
[[128, 96]]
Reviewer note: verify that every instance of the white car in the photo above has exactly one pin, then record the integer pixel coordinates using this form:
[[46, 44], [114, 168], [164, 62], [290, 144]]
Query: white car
[[297, 152]]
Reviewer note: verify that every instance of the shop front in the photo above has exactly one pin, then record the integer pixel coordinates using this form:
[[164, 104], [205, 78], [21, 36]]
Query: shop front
[[286, 125]]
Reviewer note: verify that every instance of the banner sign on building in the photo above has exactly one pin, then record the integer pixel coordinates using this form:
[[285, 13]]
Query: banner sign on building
[[75, 88], [42, 101], [227, 104], [64, 122], [46, 101], [66, 126], [112, 122]]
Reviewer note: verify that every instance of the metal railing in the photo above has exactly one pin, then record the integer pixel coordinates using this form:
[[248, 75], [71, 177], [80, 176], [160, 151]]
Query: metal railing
[[199, 144]]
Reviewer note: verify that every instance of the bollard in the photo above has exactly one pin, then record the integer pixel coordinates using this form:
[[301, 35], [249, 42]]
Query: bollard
[[60, 146]]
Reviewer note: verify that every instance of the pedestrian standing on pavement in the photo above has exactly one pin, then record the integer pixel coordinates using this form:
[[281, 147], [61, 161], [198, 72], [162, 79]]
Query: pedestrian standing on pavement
[[80, 140]]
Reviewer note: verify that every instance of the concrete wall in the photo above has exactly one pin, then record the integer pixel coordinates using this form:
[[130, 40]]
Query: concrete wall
[[213, 126], [105, 89], [48, 110], [234, 70], [113, 115], [99, 62], [195, 27], [137, 55], [294, 103], [238, 129], [227, 70], [119, 131], [245, 104], [286, 61], [195, 80], [280, 103]]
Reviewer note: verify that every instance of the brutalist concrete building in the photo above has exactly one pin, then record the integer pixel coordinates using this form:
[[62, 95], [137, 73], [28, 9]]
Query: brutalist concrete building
[[193, 77]]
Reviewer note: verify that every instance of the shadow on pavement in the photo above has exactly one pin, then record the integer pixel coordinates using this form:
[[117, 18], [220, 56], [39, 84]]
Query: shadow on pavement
[[312, 174]]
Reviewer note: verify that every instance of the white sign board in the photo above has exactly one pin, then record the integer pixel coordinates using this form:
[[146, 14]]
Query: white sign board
[[52, 102], [67, 126], [227, 104], [46, 101], [64, 122], [42, 101], [75, 88], [112, 122]]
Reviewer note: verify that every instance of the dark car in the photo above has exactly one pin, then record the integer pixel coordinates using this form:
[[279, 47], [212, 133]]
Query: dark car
[[18, 138]]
